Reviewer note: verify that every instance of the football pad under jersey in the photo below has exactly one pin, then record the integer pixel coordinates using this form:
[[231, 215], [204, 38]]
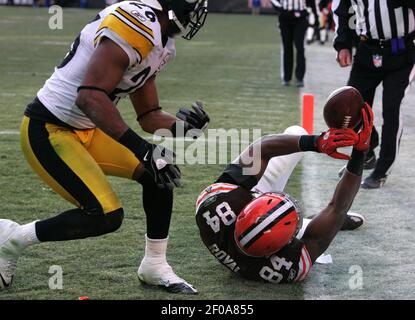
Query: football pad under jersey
[[131, 25]]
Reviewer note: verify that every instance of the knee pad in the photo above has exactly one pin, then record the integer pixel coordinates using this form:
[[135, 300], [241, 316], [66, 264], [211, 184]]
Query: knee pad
[[99, 224], [114, 219], [296, 130]]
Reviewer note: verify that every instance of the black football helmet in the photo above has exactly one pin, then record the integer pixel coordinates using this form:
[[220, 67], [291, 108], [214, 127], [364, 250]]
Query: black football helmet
[[187, 16]]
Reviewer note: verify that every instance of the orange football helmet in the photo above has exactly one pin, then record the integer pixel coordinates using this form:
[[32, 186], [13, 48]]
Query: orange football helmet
[[267, 224]]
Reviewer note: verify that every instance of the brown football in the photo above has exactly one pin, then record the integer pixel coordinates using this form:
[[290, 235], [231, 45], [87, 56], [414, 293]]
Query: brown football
[[343, 108]]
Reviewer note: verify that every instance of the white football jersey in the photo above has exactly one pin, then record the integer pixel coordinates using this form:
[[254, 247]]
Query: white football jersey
[[135, 28]]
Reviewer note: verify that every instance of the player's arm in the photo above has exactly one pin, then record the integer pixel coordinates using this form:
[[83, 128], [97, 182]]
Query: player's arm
[[147, 107], [258, 154], [104, 71], [324, 227], [151, 117]]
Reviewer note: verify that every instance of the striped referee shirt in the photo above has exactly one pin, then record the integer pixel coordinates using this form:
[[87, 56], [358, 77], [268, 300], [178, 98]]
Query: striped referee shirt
[[375, 19]]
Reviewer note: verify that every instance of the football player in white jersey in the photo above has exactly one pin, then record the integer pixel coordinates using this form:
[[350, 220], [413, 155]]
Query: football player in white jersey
[[73, 136]]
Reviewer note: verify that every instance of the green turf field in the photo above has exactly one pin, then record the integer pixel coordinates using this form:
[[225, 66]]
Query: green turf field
[[233, 66]]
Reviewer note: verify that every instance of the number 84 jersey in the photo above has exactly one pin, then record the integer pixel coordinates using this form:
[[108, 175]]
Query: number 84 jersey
[[132, 26], [217, 209]]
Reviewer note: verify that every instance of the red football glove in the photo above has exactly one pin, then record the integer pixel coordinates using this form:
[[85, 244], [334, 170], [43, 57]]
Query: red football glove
[[366, 130], [329, 141]]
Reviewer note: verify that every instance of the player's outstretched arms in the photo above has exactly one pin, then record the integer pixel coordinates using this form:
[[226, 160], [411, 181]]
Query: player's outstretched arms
[[263, 150], [104, 71], [324, 227]]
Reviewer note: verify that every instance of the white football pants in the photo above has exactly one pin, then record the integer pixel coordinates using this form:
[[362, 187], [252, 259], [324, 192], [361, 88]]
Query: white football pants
[[279, 170]]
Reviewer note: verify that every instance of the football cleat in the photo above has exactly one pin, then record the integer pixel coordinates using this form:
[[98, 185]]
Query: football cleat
[[353, 221], [10, 251], [163, 276], [370, 162], [373, 182]]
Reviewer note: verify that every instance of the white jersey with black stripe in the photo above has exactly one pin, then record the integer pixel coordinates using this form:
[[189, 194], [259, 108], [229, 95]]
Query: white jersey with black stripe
[[135, 28]]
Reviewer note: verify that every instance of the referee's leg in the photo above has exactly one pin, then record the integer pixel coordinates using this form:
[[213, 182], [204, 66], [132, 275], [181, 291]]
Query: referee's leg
[[300, 30], [395, 86], [287, 36], [366, 81]]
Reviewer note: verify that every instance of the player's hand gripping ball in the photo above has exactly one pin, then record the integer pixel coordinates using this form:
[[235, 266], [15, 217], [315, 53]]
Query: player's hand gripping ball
[[366, 130]]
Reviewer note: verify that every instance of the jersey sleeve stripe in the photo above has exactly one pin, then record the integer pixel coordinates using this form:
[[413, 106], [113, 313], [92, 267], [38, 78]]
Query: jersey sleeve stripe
[[306, 262], [214, 189], [133, 37], [300, 269], [136, 22], [133, 26]]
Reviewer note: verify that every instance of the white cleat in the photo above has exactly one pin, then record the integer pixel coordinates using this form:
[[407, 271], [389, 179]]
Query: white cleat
[[10, 251], [162, 275]]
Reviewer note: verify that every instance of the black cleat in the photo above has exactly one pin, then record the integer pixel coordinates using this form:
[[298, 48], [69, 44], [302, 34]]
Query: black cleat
[[299, 83], [183, 288], [370, 162], [353, 221], [373, 182]]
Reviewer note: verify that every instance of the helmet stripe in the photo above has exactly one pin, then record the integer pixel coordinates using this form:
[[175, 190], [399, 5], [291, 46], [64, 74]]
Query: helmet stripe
[[265, 225], [253, 226]]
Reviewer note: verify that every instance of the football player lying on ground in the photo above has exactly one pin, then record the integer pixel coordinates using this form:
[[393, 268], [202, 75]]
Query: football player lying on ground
[[73, 135], [250, 225]]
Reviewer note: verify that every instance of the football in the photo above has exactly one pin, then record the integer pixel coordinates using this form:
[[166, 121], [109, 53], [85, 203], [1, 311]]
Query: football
[[343, 108]]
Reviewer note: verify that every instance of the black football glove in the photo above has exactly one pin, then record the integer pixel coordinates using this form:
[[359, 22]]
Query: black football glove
[[197, 119], [159, 163]]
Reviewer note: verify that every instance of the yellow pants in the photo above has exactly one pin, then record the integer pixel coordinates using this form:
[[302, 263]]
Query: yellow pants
[[74, 163]]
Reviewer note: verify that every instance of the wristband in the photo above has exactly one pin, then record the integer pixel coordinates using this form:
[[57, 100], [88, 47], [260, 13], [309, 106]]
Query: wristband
[[141, 116], [308, 143], [355, 165], [135, 143]]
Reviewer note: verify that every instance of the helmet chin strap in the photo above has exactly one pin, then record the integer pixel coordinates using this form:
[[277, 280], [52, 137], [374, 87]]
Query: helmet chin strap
[[173, 17]]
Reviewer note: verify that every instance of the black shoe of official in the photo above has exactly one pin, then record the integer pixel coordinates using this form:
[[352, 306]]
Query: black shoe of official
[[286, 83], [370, 162], [353, 221], [299, 83], [373, 181]]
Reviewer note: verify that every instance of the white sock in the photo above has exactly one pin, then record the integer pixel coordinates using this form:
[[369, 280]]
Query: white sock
[[27, 235], [156, 250]]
